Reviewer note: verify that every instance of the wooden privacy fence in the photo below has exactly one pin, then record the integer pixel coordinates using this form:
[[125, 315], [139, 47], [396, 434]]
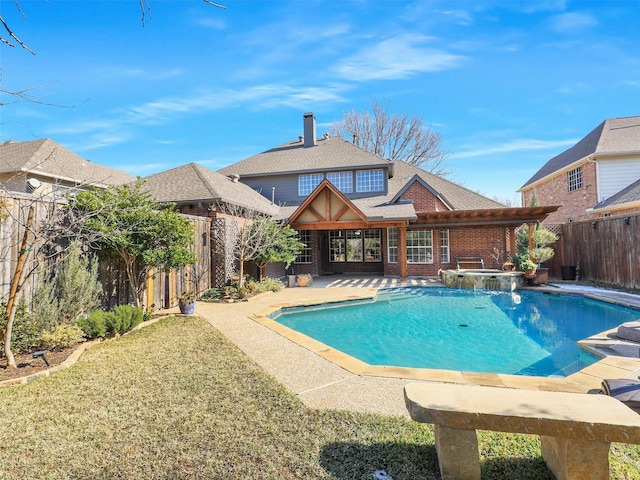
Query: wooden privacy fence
[[606, 250], [162, 288]]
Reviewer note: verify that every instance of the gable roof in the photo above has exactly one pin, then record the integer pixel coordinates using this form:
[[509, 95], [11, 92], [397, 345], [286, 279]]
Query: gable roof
[[193, 183], [46, 158], [613, 136], [334, 154], [630, 194], [451, 194], [330, 154], [338, 208]]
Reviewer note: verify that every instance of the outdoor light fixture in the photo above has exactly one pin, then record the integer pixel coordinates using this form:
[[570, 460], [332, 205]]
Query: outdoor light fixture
[[43, 355]]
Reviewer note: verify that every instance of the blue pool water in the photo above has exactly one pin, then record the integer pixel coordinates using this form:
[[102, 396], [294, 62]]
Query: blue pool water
[[525, 333]]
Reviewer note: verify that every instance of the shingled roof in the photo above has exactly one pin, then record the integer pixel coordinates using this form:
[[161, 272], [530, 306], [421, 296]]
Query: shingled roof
[[329, 154], [193, 183], [630, 194], [335, 154], [46, 158], [613, 136]]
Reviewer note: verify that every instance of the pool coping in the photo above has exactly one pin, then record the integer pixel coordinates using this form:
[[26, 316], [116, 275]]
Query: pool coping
[[589, 378]]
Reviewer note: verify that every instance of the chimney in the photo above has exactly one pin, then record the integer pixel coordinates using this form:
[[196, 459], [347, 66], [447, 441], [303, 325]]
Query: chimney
[[309, 130]]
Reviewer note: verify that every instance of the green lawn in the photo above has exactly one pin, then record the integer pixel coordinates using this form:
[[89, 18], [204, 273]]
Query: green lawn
[[177, 400]]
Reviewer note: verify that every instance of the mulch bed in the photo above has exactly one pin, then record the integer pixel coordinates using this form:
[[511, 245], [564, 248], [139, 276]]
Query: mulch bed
[[27, 365]]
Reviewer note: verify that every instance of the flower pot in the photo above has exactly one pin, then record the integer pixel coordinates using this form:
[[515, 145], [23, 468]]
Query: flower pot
[[304, 280], [569, 272], [541, 276], [187, 308]]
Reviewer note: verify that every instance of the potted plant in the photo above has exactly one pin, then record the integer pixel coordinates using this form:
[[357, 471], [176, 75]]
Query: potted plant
[[304, 279], [187, 302]]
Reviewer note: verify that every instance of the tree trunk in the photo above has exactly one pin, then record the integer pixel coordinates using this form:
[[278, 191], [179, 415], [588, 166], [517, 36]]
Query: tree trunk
[[12, 305]]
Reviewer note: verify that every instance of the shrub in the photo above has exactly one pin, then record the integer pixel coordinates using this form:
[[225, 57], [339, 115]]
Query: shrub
[[93, 325], [26, 330], [212, 294], [270, 285], [72, 290], [62, 337], [129, 316], [77, 284], [112, 322]]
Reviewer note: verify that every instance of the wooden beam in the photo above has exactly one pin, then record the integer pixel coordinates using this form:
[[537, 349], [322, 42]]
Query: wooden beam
[[327, 204], [402, 250], [342, 211], [315, 213]]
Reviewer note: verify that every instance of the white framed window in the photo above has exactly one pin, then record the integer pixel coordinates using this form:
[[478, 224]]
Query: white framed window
[[305, 255], [354, 245], [372, 245], [574, 179], [392, 244], [343, 181], [420, 246], [307, 183], [444, 247], [369, 181], [336, 246]]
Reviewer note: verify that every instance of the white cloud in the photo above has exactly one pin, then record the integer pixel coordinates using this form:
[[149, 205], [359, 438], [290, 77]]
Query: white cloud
[[521, 145], [396, 57], [122, 124], [572, 22]]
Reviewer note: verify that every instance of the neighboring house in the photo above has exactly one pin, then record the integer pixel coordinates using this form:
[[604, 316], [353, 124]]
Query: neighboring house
[[598, 176], [44, 167], [196, 190], [359, 213]]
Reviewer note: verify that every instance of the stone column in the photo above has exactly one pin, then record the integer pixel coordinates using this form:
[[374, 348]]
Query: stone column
[[458, 454], [572, 459]]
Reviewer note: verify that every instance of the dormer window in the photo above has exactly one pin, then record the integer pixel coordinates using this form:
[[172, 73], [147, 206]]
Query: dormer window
[[369, 181], [307, 183], [343, 181]]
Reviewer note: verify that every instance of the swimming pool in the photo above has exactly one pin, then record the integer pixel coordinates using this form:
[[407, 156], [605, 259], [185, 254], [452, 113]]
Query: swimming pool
[[524, 333]]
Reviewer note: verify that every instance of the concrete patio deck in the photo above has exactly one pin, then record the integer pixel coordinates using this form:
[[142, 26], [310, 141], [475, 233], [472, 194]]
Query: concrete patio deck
[[307, 370]]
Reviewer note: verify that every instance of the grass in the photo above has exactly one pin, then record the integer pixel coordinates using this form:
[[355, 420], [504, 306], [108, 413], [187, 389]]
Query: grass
[[176, 400]]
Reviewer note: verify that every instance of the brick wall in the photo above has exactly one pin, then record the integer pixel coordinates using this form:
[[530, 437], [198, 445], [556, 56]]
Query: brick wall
[[555, 191], [423, 199]]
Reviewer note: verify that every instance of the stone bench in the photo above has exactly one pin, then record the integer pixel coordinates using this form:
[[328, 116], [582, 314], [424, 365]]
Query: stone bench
[[575, 429]]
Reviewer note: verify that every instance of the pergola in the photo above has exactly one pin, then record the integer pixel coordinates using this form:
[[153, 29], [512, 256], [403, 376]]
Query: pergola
[[506, 217]]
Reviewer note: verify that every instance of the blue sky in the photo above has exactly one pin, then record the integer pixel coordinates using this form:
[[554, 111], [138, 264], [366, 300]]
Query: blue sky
[[508, 84]]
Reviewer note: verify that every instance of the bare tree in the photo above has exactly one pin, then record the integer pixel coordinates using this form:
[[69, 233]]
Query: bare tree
[[37, 228], [10, 38], [394, 136], [256, 234]]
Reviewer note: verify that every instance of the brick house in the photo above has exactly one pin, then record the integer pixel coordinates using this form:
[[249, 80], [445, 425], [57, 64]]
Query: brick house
[[599, 176], [360, 213]]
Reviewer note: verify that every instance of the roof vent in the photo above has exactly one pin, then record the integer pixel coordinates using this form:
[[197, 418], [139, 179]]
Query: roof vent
[[326, 135], [235, 177], [301, 138]]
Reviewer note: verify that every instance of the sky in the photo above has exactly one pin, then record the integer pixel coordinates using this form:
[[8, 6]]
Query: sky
[[508, 84]]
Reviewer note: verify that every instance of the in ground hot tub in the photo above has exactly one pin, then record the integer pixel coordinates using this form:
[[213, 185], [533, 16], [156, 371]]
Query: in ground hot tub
[[483, 279]]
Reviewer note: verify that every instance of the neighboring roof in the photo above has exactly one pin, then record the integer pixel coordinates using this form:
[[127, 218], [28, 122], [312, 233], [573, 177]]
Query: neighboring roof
[[613, 136], [330, 154], [193, 183], [630, 194], [46, 158]]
